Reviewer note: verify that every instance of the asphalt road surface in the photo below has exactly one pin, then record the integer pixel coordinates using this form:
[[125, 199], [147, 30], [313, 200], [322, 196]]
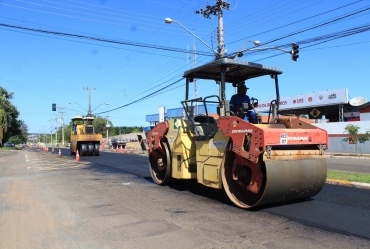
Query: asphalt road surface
[[349, 165], [109, 201]]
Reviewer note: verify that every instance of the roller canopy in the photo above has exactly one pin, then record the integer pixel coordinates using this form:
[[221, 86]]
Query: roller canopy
[[236, 70]]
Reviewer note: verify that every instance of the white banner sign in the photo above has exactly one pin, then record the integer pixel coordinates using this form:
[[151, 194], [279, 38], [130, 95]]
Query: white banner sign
[[161, 113], [330, 97]]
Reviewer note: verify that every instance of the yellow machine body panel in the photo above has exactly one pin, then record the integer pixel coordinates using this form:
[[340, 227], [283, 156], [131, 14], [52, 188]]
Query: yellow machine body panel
[[209, 160], [182, 147], [193, 159]]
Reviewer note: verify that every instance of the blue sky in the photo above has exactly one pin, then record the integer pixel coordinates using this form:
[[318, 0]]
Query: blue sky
[[42, 69]]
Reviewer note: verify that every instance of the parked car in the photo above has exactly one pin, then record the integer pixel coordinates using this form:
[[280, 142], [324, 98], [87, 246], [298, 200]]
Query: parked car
[[8, 144]]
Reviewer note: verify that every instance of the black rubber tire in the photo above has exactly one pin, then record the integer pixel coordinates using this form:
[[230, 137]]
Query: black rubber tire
[[96, 151], [90, 151], [70, 149], [83, 150]]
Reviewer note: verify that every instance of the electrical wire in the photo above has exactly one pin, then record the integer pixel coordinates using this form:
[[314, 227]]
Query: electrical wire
[[143, 98], [321, 24], [295, 22], [89, 19], [121, 42], [157, 73], [243, 24], [135, 13]]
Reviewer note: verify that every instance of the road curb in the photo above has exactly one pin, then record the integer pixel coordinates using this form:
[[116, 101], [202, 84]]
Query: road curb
[[349, 157], [347, 183]]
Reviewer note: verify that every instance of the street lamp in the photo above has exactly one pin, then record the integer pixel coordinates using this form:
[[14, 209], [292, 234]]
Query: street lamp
[[88, 111], [169, 21], [240, 51], [99, 105], [78, 104]]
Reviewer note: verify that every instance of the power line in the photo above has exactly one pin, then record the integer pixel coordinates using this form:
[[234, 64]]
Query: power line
[[295, 22], [157, 72], [324, 38], [86, 19], [128, 43], [320, 25], [145, 97], [149, 23], [267, 13]]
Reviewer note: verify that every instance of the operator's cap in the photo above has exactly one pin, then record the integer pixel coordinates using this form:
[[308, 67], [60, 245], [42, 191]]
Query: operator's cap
[[242, 87]]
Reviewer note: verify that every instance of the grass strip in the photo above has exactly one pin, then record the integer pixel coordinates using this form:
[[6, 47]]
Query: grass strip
[[6, 148], [349, 176]]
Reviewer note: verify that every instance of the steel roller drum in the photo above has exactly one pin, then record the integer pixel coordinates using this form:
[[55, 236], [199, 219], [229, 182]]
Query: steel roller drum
[[293, 179]]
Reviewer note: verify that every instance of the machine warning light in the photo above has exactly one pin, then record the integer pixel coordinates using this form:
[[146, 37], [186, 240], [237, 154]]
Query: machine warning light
[[295, 51]]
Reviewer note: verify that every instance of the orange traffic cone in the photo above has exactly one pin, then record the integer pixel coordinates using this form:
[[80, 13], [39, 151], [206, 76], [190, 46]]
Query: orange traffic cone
[[46, 149], [77, 156], [60, 153], [125, 150], [132, 151]]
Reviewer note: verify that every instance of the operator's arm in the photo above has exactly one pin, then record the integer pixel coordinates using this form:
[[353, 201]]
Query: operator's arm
[[249, 103], [232, 103]]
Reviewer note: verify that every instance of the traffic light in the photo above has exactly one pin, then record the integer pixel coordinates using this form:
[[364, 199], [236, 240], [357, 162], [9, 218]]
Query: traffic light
[[53, 107], [295, 51]]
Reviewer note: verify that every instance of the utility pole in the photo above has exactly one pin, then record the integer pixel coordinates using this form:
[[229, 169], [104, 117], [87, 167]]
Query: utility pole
[[56, 130], [44, 134], [51, 132], [107, 125], [217, 10], [62, 113], [89, 89], [195, 80]]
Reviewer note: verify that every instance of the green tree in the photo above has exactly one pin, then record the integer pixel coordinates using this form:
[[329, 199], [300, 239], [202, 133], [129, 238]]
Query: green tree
[[354, 136], [23, 128], [17, 139], [9, 125], [128, 129], [67, 134], [100, 125], [6, 108]]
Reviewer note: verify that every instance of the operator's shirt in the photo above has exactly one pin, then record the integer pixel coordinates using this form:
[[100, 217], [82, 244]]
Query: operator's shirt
[[237, 101]]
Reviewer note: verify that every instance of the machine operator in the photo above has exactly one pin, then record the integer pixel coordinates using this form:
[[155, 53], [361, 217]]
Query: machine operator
[[236, 104]]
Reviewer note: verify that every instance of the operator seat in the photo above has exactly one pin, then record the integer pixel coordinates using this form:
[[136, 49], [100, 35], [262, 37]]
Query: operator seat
[[206, 127]]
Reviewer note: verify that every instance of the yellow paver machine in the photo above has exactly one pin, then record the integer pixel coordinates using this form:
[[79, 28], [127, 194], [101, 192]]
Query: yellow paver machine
[[83, 137], [255, 163]]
